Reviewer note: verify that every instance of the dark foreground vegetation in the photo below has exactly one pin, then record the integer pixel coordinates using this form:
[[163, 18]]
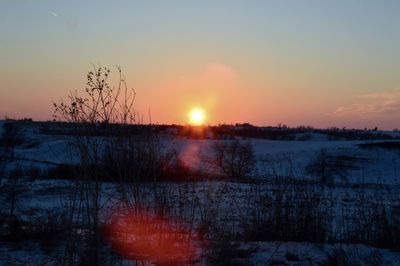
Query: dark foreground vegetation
[[213, 217], [390, 145]]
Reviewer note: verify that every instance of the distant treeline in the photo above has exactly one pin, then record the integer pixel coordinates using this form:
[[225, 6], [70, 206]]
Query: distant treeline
[[222, 131], [246, 131]]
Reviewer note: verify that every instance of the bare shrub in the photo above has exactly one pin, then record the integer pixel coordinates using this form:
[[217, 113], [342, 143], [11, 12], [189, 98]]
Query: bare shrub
[[103, 102], [229, 253], [372, 221], [321, 167], [11, 137], [137, 158], [234, 158], [3, 164], [326, 166], [12, 189], [287, 213], [351, 256], [95, 117], [112, 145]]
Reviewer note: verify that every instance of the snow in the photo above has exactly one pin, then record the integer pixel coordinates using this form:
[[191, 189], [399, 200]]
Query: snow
[[376, 176]]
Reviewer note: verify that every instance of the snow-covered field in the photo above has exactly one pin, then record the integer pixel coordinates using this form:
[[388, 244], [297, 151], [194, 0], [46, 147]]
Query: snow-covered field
[[373, 178], [375, 166]]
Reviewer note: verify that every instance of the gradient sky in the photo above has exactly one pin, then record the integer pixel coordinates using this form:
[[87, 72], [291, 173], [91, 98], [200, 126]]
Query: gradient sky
[[318, 63]]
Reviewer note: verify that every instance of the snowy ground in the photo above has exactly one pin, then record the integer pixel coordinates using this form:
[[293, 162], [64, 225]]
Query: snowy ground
[[375, 176], [222, 202], [376, 166]]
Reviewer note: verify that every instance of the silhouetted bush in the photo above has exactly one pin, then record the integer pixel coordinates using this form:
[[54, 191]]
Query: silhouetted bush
[[63, 171], [389, 145], [326, 166], [142, 159], [12, 188], [287, 213], [234, 158], [353, 256], [11, 137]]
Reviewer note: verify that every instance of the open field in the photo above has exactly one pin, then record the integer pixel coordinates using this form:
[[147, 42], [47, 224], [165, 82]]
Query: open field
[[313, 202]]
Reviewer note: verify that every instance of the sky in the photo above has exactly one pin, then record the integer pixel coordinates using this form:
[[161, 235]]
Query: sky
[[300, 62]]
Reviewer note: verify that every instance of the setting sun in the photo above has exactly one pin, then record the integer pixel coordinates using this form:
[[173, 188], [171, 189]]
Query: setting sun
[[197, 116]]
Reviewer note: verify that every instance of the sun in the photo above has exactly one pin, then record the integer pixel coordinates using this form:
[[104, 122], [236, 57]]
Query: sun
[[197, 116]]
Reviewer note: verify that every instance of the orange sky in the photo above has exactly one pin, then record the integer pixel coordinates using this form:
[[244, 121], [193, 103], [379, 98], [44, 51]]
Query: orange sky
[[301, 62]]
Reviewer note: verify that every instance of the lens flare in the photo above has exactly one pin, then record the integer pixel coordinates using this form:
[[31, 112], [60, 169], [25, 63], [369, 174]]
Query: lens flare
[[143, 236]]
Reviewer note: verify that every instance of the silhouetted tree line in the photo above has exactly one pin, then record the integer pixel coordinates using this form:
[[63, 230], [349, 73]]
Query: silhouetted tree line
[[222, 131]]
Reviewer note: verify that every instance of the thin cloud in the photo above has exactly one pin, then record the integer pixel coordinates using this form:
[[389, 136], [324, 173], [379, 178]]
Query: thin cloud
[[54, 14], [373, 104], [388, 94]]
